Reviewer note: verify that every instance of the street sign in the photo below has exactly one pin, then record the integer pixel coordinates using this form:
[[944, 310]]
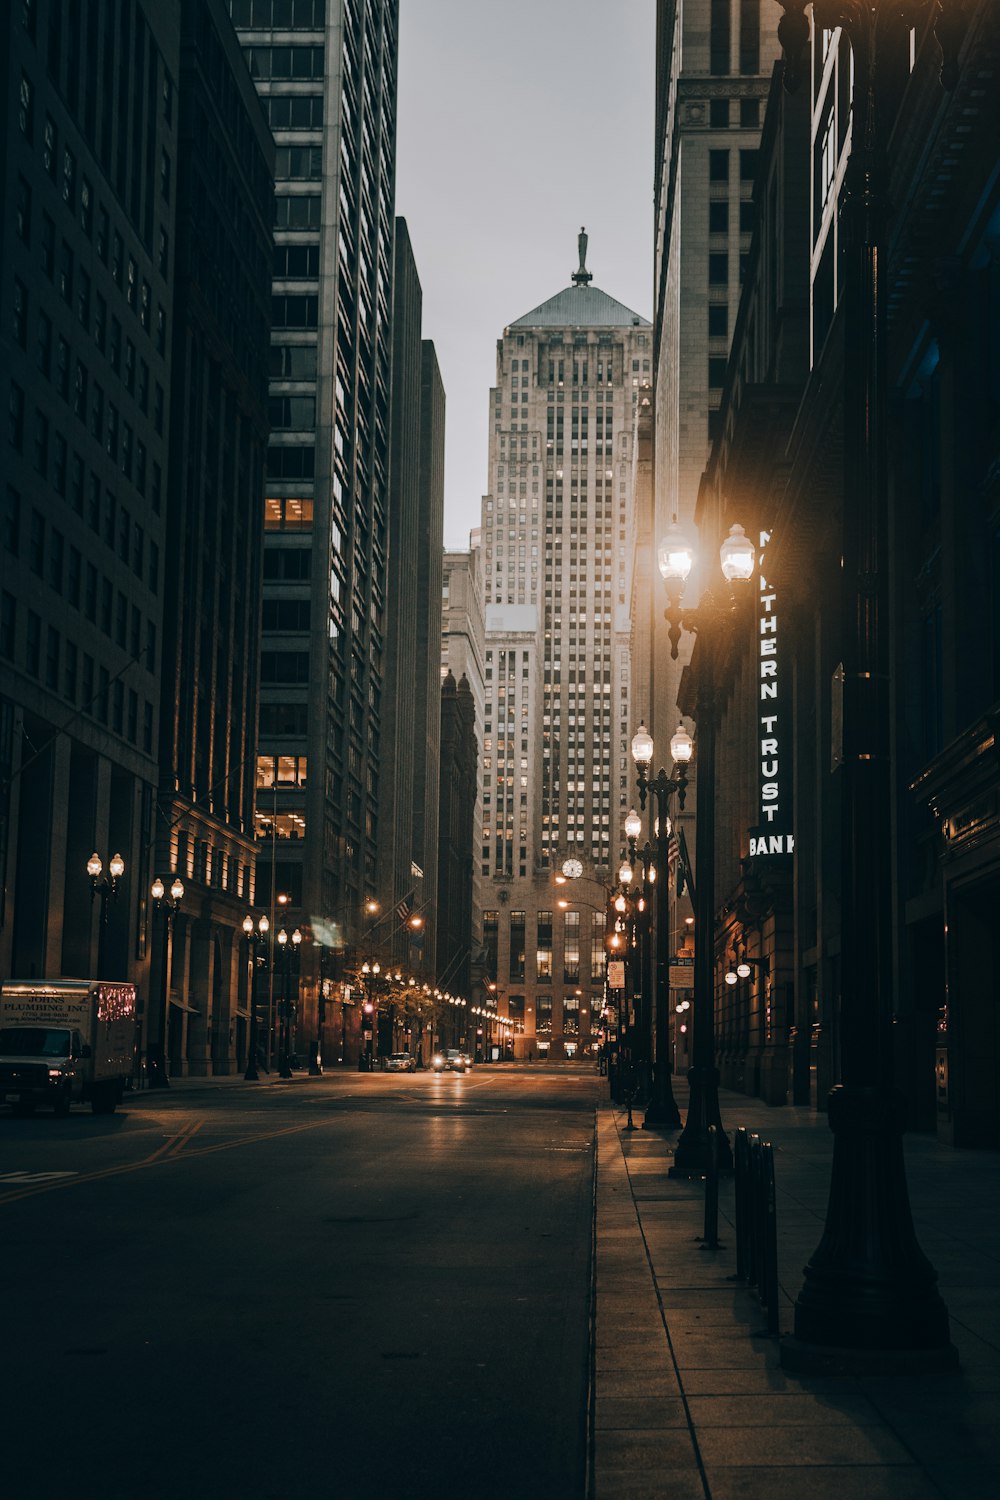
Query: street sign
[[682, 974], [616, 974]]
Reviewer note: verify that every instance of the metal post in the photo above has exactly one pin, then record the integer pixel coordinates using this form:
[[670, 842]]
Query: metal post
[[691, 1156]]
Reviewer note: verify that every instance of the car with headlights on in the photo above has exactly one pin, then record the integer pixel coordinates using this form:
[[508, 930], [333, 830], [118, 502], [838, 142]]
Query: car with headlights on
[[449, 1061], [400, 1062]]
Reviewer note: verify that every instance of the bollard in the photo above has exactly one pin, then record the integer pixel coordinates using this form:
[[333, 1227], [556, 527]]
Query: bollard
[[769, 1280], [710, 1237], [741, 1161], [756, 1215]]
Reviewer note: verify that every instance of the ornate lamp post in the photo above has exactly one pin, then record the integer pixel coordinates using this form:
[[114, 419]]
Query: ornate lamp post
[[107, 889], [662, 1110], [256, 937], [870, 1299], [712, 619], [156, 1047], [641, 894], [285, 1029]]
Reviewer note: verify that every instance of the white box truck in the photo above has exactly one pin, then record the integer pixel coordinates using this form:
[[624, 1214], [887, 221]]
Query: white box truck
[[64, 1041]]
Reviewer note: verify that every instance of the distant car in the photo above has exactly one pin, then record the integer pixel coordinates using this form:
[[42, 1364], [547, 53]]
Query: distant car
[[400, 1062], [449, 1061], [467, 1059]]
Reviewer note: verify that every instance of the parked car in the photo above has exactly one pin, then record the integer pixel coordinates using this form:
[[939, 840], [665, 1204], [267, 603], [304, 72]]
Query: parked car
[[449, 1061], [400, 1062]]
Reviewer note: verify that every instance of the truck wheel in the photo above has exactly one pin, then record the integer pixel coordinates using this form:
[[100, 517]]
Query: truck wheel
[[63, 1103]]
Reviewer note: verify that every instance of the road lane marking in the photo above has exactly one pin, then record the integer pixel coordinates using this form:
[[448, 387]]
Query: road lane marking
[[169, 1151], [21, 1179]]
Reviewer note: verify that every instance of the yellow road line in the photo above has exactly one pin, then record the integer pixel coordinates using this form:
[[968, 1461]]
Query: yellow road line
[[167, 1152]]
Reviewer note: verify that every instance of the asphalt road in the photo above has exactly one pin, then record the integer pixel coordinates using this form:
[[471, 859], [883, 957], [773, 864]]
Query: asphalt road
[[358, 1286]]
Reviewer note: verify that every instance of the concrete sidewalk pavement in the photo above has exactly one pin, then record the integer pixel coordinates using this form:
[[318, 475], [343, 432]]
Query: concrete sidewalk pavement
[[690, 1401]]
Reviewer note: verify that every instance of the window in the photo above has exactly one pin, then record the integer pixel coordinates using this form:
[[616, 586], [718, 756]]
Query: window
[[717, 373], [718, 269], [15, 417], [718, 320], [19, 314], [517, 925], [22, 210], [718, 217], [571, 947], [747, 216], [750, 114], [718, 114], [11, 521], [50, 146], [718, 166], [33, 644], [48, 247], [8, 625], [543, 951], [748, 165], [719, 37], [26, 108]]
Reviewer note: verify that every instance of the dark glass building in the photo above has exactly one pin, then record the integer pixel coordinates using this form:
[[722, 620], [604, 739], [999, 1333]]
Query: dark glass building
[[89, 121], [211, 623], [326, 75]]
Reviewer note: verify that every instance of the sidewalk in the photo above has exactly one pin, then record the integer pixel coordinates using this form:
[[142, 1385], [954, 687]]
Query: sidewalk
[[691, 1402]]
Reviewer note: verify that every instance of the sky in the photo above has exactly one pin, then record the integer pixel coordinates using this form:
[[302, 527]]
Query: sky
[[518, 122]]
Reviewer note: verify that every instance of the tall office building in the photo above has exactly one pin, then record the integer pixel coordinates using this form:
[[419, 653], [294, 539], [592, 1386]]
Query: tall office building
[[556, 559], [89, 122], [212, 564], [713, 68], [134, 343], [326, 74]]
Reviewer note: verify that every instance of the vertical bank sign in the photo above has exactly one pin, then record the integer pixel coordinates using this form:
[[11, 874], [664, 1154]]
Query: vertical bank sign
[[773, 835]]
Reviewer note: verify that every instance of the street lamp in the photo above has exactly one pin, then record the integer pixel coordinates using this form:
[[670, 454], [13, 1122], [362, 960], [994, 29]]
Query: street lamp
[[712, 619], [156, 1047], [256, 937], [107, 889], [662, 1108], [284, 1034], [870, 1300]]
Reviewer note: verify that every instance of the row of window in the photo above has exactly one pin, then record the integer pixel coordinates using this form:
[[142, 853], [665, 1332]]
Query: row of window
[[58, 663], [718, 165], [106, 516], [279, 15], [284, 62], [48, 450]]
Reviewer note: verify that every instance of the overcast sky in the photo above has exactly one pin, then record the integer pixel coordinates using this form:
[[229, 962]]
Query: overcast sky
[[519, 121]]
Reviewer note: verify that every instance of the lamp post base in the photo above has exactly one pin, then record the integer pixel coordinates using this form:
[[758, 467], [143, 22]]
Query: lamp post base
[[661, 1111], [870, 1293], [693, 1153]]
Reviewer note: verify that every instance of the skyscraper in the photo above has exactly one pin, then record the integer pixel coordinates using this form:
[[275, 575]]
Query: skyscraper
[[572, 375], [326, 74], [713, 68], [89, 141]]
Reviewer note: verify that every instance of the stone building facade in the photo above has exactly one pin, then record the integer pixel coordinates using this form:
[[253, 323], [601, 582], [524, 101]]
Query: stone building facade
[[556, 554]]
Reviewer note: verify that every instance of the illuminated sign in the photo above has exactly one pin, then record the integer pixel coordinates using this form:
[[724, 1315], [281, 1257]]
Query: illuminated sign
[[773, 834]]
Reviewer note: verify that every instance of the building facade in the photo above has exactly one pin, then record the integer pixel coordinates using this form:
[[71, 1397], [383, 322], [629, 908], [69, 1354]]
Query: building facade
[[713, 66], [326, 75], [556, 555], [204, 831], [780, 459], [89, 116]]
